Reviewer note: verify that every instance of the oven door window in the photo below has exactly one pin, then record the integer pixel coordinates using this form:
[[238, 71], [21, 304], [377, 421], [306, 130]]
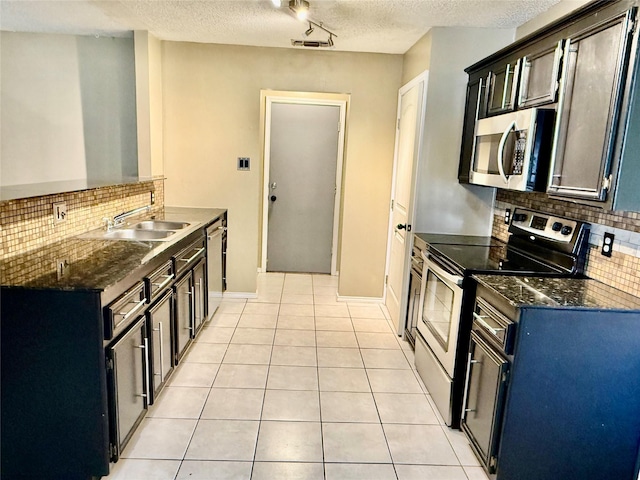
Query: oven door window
[[439, 309]]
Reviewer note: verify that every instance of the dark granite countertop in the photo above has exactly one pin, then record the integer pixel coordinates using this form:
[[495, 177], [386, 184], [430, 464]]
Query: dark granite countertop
[[95, 263], [558, 292]]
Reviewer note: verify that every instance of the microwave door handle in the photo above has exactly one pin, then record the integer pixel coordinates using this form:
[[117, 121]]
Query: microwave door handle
[[503, 141]]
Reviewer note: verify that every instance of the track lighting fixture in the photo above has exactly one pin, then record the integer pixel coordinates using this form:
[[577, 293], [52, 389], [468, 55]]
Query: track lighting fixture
[[300, 8]]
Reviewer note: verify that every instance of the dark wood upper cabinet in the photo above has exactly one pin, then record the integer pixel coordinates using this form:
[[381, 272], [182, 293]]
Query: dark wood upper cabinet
[[502, 83], [590, 105], [585, 66], [540, 77]]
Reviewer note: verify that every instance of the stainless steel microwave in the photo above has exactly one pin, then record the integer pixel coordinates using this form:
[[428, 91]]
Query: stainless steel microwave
[[513, 150]]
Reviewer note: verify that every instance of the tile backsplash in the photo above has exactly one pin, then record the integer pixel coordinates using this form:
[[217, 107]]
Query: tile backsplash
[[621, 270], [27, 224]]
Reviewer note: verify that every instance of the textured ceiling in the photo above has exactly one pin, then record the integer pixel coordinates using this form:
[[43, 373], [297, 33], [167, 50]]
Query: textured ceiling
[[385, 26]]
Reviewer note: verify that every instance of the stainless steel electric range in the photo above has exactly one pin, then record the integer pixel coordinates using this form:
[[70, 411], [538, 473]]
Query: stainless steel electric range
[[539, 245]]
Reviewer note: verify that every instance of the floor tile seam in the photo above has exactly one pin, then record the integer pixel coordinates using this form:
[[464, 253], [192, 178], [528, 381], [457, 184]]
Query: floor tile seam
[[455, 452], [264, 396], [324, 473]]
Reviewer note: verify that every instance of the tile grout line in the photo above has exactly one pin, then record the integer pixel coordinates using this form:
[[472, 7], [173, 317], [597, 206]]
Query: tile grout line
[[209, 394], [266, 381]]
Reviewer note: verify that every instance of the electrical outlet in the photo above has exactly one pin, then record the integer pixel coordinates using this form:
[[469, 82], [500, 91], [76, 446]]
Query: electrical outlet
[[607, 244], [153, 198], [507, 216], [59, 212]]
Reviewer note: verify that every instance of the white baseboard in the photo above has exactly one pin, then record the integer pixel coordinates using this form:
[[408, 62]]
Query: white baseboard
[[238, 295], [360, 299]]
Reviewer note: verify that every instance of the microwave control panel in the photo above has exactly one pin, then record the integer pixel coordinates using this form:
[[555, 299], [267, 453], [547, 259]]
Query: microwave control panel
[[518, 154]]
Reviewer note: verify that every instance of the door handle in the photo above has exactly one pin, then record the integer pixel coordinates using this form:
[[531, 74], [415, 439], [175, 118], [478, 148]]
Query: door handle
[[501, 145], [402, 226], [273, 198]]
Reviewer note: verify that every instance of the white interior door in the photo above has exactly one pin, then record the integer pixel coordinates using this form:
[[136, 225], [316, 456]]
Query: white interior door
[[411, 105], [303, 158]]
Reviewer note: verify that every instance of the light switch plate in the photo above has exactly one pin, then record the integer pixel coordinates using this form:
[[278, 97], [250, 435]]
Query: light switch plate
[[244, 163]]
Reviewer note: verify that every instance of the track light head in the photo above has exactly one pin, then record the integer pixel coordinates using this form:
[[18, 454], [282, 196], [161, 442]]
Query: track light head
[[309, 30], [330, 41]]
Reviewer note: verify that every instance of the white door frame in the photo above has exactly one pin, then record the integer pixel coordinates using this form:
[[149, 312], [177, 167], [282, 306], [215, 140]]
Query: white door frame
[[423, 77], [270, 100]]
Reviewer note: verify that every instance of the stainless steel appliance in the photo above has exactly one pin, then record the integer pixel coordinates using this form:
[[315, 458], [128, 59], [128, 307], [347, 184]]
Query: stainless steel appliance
[[415, 283], [539, 245], [513, 150], [216, 251]]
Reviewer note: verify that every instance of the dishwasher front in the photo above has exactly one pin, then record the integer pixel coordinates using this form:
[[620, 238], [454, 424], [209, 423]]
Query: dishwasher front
[[216, 242]]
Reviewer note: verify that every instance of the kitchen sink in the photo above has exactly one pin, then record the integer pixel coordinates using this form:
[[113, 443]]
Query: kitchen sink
[[134, 234], [161, 225]]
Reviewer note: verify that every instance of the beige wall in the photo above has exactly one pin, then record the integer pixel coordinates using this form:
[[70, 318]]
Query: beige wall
[[148, 52], [560, 9], [211, 96], [418, 58]]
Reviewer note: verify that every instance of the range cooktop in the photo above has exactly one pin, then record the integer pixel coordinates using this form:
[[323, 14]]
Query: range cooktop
[[539, 244], [491, 259]]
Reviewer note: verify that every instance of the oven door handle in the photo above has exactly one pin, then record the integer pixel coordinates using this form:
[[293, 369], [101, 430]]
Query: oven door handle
[[503, 141], [441, 272]]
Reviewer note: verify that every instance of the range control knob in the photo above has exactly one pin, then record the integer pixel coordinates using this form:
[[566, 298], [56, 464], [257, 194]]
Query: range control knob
[[566, 230], [556, 227], [519, 217]]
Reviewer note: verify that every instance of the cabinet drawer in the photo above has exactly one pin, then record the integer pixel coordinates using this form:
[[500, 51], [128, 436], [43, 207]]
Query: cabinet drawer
[[124, 309], [159, 280], [188, 257]]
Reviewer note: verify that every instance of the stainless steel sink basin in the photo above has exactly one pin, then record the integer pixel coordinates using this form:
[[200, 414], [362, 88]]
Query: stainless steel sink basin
[[133, 234], [160, 225]]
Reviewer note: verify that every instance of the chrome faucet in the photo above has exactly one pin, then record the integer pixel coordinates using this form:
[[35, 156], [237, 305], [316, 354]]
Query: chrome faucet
[[108, 223], [118, 220]]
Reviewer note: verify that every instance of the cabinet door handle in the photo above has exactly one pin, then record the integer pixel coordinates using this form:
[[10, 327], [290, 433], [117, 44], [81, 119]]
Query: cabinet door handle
[[470, 362], [147, 368], [130, 313], [165, 283], [481, 321], [200, 303], [193, 311], [160, 341], [503, 141], [192, 257]]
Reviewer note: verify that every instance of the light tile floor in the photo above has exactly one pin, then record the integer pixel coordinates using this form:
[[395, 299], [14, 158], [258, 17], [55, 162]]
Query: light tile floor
[[296, 385]]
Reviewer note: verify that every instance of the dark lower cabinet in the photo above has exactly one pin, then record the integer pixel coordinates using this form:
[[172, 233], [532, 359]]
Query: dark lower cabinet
[[184, 314], [486, 387], [128, 384], [190, 306], [565, 402], [160, 326]]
